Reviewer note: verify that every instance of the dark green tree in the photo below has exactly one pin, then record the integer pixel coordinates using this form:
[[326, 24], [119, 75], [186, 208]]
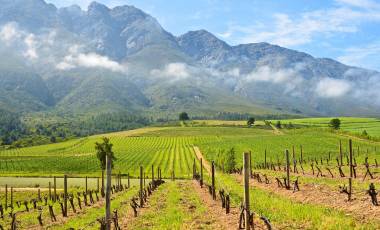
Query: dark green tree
[[251, 121], [335, 123], [230, 162], [183, 116], [102, 151], [364, 133], [278, 125]]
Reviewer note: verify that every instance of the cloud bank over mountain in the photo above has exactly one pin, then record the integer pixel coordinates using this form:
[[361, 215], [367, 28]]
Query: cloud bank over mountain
[[125, 51]]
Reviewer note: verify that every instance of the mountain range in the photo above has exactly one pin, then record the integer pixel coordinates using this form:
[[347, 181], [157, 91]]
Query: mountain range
[[73, 61]]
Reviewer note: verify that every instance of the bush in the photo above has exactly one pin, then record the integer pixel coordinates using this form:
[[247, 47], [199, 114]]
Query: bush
[[335, 123]]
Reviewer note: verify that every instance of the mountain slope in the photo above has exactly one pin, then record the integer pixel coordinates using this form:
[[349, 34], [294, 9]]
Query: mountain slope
[[102, 59]]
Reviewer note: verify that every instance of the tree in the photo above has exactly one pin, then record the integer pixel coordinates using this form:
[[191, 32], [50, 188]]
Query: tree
[[183, 116], [364, 133], [335, 123], [278, 125], [102, 151], [230, 161], [251, 121]]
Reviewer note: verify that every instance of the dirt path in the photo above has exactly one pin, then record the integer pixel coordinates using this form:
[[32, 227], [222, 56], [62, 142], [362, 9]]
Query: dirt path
[[276, 130], [198, 210], [360, 208], [215, 210], [199, 155], [214, 207]]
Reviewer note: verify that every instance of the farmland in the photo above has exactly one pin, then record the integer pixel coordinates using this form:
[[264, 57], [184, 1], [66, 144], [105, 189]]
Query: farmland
[[351, 124], [172, 150]]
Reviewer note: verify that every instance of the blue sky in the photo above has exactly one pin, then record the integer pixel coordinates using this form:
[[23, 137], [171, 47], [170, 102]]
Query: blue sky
[[345, 30]]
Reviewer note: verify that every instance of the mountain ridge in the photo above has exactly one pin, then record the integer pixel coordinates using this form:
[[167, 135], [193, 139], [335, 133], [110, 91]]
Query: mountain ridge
[[106, 51]]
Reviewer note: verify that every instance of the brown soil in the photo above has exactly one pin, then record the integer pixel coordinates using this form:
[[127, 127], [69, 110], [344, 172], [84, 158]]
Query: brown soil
[[360, 207], [199, 155], [218, 214]]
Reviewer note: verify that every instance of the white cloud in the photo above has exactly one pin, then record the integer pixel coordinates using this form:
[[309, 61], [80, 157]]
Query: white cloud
[[289, 77], [293, 30], [366, 4], [174, 71], [31, 47], [332, 88], [366, 56], [88, 60], [9, 32]]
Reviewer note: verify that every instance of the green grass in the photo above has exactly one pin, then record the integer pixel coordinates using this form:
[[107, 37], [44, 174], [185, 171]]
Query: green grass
[[170, 148], [351, 124], [288, 214], [173, 206]]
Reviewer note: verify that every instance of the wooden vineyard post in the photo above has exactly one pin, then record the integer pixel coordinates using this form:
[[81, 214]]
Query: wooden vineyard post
[[49, 190], [65, 195], [287, 170], [11, 198], [194, 170], [108, 191], [250, 163], [246, 190], [102, 192], [201, 181], [213, 180], [86, 185], [55, 189], [152, 173], [265, 160], [301, 154], [97, 184], [144, 179], [351, 172], [294, 161], [340, 152], [141, 187], [129, 183], [6, 197]]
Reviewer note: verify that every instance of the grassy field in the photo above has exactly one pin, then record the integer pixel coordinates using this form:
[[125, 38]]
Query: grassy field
[[351, 124], [171, 149]]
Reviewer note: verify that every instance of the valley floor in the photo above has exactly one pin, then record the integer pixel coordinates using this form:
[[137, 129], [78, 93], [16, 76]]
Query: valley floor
[[183, 204]]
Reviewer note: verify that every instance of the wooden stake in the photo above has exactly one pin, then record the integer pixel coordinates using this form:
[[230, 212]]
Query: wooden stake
[[194, 169], [129, 184], [287, 169], [102, 192], [11, 197], [213, 180], [49, 190], [65, 195], [246, 189], [351, 171], [250, 163], [201, 181], [55, 189], [6, 197], [141, 187], [152, 173], [265, 160], [86, 186], [340, 152], [108, 191]]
